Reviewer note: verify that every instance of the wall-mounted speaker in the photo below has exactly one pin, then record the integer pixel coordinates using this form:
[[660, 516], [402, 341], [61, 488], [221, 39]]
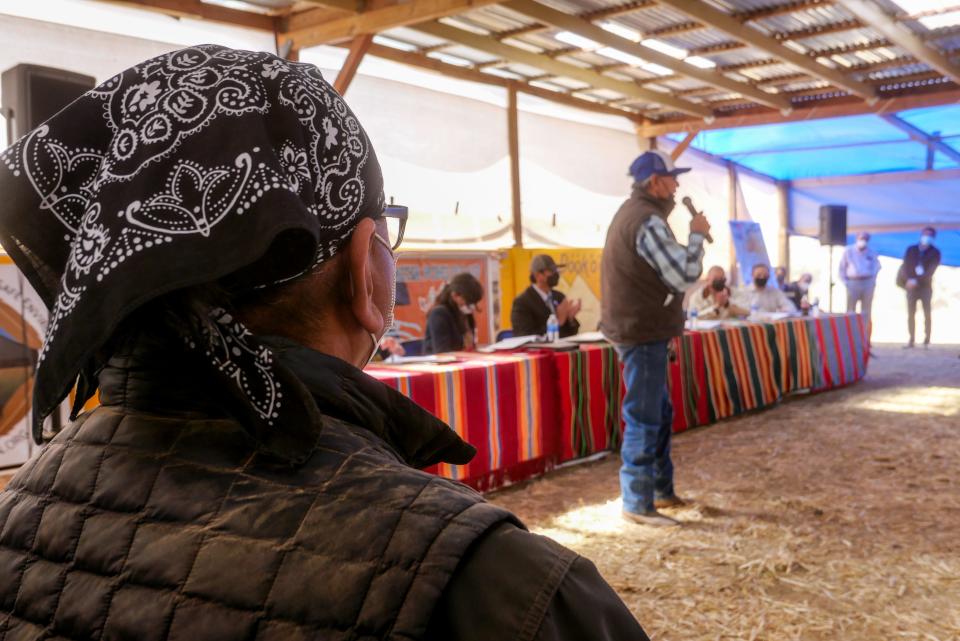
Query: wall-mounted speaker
[[32, 94], [833, 225]]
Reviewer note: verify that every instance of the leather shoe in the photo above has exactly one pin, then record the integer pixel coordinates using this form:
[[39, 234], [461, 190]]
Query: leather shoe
[[669, 501], [652, 518]]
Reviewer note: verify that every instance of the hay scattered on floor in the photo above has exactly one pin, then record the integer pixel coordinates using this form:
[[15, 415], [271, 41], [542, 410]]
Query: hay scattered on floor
[[830, 517]]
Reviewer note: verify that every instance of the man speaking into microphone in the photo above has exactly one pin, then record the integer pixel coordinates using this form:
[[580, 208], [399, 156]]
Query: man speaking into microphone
[[644, 272]]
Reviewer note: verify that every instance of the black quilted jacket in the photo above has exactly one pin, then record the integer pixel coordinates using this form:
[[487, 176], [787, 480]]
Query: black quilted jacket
[[156, 517]]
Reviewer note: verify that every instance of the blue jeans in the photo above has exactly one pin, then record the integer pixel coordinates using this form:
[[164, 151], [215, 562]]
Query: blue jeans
[[647, 470]]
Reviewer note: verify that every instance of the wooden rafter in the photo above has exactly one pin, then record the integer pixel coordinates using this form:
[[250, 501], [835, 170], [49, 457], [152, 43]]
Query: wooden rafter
[[358, 49], [557, 68], [733, 27], [381, 19], [877, 179], [202, 11], [350, 6], [417, 59], [842, 107], [902, 36], [587, 29], [597, 14]]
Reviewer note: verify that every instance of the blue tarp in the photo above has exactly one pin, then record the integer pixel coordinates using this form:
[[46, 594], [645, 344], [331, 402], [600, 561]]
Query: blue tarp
[[893, 210]]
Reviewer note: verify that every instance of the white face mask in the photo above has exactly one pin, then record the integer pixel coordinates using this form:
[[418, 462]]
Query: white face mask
[[389, 317], [467, 310], [926, 239], [861, 244], [804, 285]]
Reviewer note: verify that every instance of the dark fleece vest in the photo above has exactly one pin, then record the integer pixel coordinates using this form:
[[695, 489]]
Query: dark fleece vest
[[153, 517], [632, 294]]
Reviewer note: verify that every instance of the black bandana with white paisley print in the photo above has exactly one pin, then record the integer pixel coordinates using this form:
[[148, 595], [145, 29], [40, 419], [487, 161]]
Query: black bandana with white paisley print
[[181, 171]]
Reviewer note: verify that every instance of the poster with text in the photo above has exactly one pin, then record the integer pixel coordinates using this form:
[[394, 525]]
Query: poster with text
[[422, 275], [751, 250], [23, 320]]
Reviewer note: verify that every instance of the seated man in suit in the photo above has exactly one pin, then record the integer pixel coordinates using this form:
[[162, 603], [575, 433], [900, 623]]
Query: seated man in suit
[[533, 307]]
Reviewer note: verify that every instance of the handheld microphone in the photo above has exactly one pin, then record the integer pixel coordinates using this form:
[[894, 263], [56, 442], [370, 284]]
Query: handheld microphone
[[693, 212]]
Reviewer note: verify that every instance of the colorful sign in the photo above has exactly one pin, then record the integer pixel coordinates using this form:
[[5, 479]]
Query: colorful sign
[[23, 321], [748, 242], [579, 280], [422, 275]]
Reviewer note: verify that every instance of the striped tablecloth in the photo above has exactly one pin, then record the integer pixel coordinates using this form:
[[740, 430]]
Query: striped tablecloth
[[716, 374], [525, 412], [502, 404]]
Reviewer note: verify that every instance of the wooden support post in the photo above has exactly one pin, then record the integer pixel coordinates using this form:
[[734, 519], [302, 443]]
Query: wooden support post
[[786, 222], [682, 147], [513, 146], [733, 214], [358, 49]]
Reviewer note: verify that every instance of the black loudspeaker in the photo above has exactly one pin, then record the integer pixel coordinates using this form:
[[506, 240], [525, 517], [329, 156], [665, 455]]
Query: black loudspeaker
[[32, 94], [833, 225]]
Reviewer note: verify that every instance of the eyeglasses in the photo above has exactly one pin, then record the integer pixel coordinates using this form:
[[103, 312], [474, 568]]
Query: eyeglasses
[[395, 217]]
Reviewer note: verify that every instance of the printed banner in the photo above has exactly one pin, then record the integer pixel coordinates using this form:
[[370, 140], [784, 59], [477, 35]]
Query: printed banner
[[23, 321], [422, 275], [579, 280], [751, 250]]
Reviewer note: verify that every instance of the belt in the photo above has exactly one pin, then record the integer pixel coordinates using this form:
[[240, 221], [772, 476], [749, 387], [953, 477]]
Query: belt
[[861, 278]]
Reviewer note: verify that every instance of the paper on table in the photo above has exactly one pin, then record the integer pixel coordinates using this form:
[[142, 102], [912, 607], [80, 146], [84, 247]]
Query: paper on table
[[427, 358], [510, 343], [705, 324], [587, 337]]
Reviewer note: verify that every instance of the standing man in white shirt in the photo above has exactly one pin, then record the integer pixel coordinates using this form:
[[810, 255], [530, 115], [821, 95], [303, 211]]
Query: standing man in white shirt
[[858, 271]]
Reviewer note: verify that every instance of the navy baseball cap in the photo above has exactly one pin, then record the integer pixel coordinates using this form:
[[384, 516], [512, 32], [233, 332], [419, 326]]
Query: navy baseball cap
[[654, 162]]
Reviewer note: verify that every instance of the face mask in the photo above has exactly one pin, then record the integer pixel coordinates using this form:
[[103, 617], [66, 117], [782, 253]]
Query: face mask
[[926, 240], [553, 279], [804, 285], [466, 310], [719, 284], [389, 316], [761, 281], [861, 244]]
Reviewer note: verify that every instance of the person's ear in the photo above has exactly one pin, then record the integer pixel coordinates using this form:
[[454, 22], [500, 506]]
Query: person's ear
[[360, 268]]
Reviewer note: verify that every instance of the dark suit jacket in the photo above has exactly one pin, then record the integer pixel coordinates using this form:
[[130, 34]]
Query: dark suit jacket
[[529, 314], [930, 259]]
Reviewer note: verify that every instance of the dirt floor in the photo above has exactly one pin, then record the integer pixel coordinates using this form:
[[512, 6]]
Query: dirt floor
[[835, 516]]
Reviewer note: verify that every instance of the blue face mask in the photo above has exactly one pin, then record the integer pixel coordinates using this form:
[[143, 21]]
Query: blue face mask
[[926, 239]]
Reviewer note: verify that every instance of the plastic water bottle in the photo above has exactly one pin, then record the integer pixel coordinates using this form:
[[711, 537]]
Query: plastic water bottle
[[693, 318], [754, 311], [553, 329], [815, 308]]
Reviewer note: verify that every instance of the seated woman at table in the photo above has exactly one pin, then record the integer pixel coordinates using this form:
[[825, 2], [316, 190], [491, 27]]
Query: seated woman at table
[[451, 326], [717, 304]]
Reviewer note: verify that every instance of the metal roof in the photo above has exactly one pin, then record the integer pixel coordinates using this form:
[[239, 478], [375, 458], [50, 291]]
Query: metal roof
[[844, 54]]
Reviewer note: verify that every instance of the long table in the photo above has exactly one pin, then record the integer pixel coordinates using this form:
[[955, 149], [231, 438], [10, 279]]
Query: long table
[[526, 412]]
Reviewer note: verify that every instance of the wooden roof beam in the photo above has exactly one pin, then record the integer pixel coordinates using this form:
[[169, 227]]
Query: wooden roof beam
[[203, 11], [380, 19], [730, 25], [902, 36], [416, 59], [597, 14], [846, 106], [587, 29], [557, 68]]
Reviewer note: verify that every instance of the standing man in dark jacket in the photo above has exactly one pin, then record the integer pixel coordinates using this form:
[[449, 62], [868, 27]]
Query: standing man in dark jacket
[[919, 263], [243, 478], [533, 307], [644, 273]]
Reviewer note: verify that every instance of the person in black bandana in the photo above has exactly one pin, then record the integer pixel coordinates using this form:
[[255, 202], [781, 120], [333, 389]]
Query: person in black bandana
[[208, 231], [533, 307]]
